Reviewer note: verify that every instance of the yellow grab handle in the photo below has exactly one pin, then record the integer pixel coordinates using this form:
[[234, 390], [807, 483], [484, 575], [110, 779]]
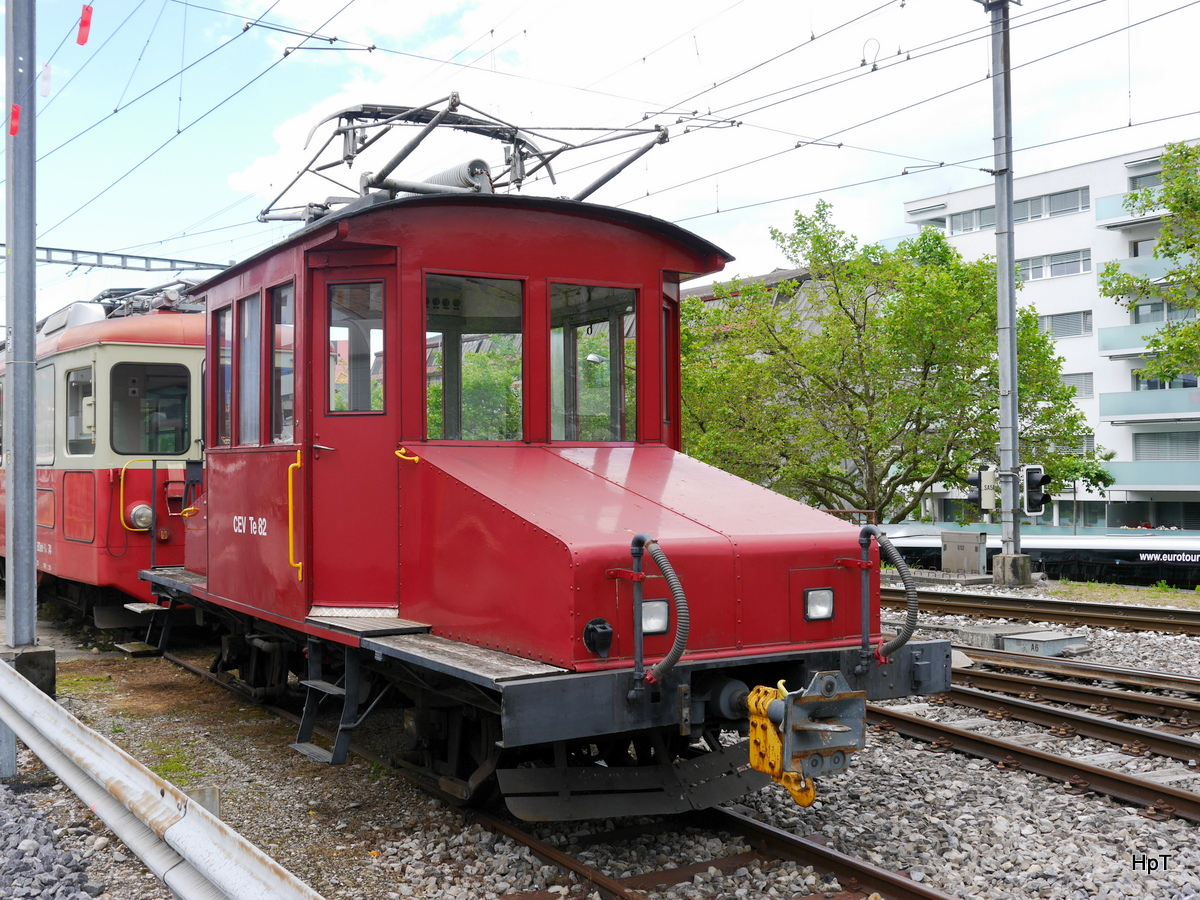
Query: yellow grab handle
[[298, 566], [129, 527], [406, 456]]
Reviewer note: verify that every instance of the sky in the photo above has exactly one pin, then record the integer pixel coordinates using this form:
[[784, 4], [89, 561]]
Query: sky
[[177, 122]]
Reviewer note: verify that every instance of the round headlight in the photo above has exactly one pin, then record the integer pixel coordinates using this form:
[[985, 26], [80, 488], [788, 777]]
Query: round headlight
[[141, 516]]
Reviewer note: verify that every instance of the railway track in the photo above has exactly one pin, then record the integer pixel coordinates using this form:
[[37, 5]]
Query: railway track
[[1006, 696], [1067, 612], [856, 877]]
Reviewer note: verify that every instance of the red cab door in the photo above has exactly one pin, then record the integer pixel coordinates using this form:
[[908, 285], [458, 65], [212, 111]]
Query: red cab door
[[354, 516]]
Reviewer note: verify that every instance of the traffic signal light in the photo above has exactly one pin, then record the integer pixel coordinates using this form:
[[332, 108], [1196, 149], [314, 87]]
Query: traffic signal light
[[982, 488], [1035, 478]]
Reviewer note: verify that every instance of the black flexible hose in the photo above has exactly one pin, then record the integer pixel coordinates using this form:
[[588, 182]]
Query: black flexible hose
[[682, 618], [910, 594]]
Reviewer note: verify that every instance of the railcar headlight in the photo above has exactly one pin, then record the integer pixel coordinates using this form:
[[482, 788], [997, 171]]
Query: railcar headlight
[[656, 616], [141, 516], [818, 604]]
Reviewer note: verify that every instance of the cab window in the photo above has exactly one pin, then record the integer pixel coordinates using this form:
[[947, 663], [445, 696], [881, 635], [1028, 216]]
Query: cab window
[[593, 363], [473, 364]]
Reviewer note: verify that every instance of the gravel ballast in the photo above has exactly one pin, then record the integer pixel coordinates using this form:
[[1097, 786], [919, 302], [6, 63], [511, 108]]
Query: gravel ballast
[[356, 831]]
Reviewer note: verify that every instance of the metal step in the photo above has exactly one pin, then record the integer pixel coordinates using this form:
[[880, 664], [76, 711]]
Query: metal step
[[139, 648], [325, 687], [145, 607], [313, 751]]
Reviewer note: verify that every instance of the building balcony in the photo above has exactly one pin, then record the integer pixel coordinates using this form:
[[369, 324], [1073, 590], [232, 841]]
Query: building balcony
[[1142, 407], [1111, 213], [1146, 266], [1175, 475], [1125, 341]]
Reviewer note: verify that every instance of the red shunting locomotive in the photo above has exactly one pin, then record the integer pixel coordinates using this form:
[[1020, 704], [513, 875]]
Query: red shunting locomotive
[[442, 474]]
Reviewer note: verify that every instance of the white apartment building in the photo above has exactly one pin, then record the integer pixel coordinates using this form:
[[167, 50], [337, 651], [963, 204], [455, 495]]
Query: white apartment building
[[1067, 224]]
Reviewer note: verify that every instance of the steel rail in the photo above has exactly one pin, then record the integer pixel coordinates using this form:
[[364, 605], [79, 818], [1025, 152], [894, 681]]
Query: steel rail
[[1098, 615], [853, 874], [1160, 799], [1135, 739], [1073, 668], [188, 848], [1101, 700]]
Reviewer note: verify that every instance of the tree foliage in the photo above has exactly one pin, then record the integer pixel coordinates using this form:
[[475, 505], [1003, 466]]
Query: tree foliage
[[1175, 348], [869, 382]]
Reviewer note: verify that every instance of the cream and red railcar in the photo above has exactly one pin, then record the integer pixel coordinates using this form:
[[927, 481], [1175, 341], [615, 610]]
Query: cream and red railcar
[[442, 440], [117, 408]]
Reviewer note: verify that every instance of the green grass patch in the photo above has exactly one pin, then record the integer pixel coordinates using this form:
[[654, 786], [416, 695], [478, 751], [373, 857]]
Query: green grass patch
[[173, 765]]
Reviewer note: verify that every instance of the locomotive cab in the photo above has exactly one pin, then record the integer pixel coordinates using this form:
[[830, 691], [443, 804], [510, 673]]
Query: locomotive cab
[[438, 428]]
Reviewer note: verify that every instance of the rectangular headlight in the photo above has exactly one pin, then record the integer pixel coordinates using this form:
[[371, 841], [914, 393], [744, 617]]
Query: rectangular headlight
[[818, 604], [656, 616]]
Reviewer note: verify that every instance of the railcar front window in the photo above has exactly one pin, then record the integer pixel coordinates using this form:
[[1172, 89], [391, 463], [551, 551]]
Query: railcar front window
[[81, 413], [593, 363], [150, 409], [356, 347], [473, 364]]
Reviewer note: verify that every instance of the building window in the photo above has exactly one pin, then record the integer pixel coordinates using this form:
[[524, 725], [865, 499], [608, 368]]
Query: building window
[[1149, 313], [1167, 446], [973, 220], [1177, 514], [1186, 380], [1085, 447], [1082, 382], [1047, 205], [1064, 325], [1054, 265], [1144, 247], [1149, 180], [1081, 512]]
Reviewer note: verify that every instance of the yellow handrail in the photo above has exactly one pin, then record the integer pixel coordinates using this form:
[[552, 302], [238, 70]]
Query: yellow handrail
[[404, 454], [127, 526], [298, 566]]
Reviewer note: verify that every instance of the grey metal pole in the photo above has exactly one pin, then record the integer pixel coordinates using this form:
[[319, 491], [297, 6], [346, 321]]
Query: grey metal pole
[[1008, 571], [21, 561]]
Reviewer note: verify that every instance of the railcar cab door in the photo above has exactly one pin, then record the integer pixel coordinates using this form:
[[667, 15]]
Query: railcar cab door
[[353, 559]]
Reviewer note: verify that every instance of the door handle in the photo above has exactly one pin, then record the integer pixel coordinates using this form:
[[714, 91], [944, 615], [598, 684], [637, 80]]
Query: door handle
[[322, 447], [291, 499]]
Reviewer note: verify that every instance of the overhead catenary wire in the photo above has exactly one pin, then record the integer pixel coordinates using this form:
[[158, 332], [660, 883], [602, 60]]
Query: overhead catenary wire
[[905, 108], [654, 192], [165, 143]]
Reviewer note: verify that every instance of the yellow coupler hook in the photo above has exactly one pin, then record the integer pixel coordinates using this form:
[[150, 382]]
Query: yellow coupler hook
[[766, 746]]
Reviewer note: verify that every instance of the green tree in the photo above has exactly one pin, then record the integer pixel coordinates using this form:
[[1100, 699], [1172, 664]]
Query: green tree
[[869, 382], [1175, 348]]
